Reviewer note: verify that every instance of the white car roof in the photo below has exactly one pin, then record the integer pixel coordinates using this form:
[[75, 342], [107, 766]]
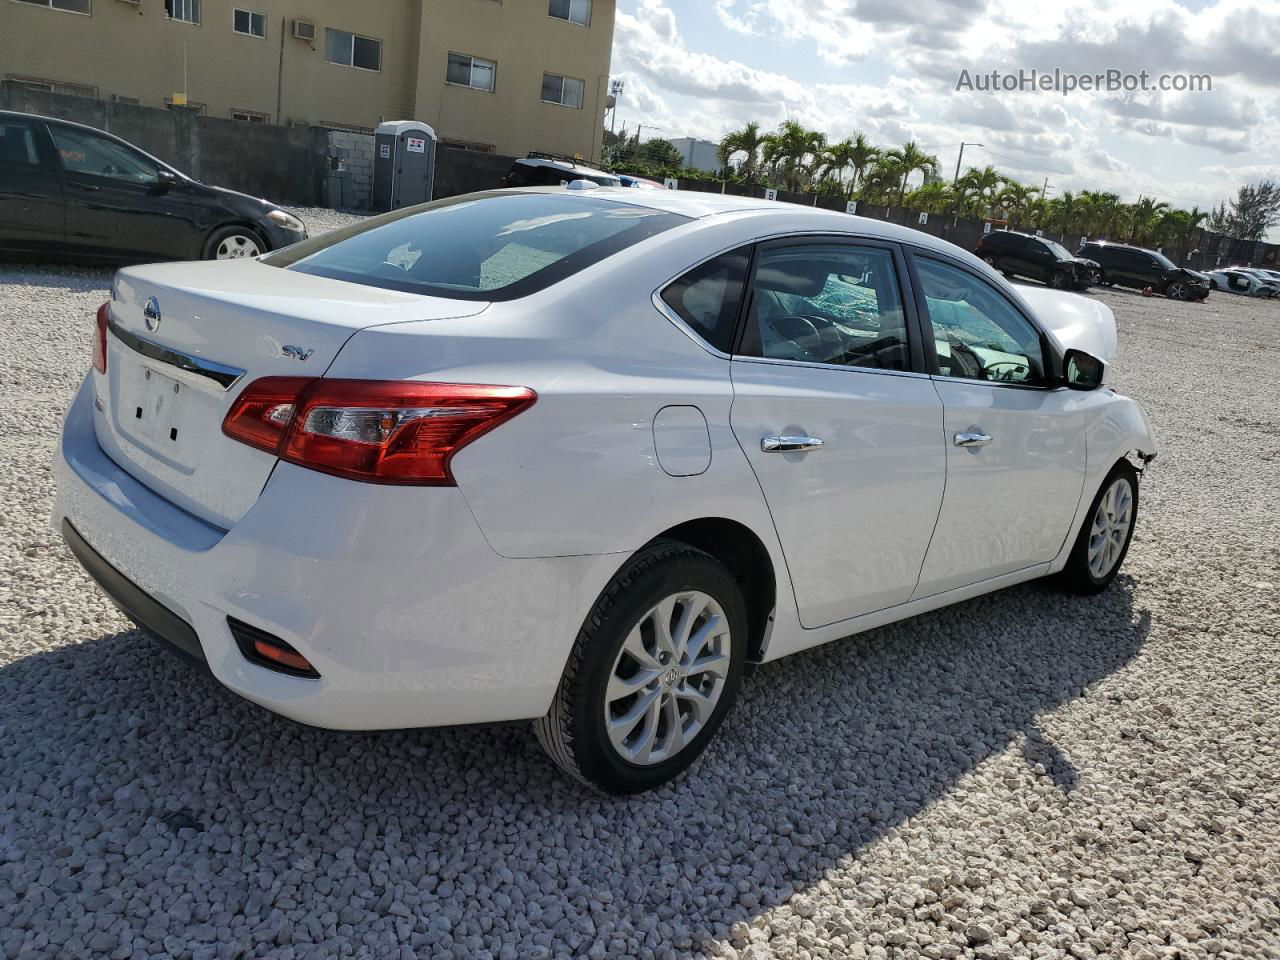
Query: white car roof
[[790, 217]]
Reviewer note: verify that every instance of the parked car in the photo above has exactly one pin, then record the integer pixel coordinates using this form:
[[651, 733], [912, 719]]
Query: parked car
[[1127, 266], [1246, 282], [644, 183], [1025, 255], [549, 170], [67, 190], [578, 457]]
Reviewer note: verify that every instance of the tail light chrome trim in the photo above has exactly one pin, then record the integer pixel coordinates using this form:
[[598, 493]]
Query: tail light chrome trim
[[219, 373]]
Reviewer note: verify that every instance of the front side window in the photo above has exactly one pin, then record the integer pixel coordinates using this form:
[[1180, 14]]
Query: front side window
[[249, 22], [352, 50], [708, 297], [495, 247], [188, 11], [17, 144], [575, 11], [88, 153], [830, 303], [470, 71], [566, 91], [978, 335]]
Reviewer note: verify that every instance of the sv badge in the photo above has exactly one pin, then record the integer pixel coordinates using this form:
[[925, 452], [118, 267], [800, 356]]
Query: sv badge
[[298, 353]]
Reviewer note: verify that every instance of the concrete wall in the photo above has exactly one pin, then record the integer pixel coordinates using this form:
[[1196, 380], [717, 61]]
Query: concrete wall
[[354, 153], [283, 164], [133, 50]]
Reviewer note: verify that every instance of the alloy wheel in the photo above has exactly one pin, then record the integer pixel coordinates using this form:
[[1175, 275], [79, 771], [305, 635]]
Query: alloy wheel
[[1110, 530], [667, 678], [1177, 291], [238, 246]]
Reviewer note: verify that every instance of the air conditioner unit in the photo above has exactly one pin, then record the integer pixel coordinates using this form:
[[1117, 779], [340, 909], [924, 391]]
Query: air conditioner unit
[[304, 30]]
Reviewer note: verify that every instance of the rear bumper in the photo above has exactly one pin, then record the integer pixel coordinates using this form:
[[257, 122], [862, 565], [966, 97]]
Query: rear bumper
[[408, 615], [134, 602]]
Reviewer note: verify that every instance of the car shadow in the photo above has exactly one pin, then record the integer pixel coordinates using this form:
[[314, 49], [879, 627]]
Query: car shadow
[[123, 750]]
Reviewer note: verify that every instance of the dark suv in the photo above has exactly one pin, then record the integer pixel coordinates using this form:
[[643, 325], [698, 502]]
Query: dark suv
[[550, 170], [1135, 267], [1024, 255]]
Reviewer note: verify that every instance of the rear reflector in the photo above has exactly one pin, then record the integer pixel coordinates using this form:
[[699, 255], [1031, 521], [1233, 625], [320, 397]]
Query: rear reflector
[[264, 649], [100, 338], [380, 431]]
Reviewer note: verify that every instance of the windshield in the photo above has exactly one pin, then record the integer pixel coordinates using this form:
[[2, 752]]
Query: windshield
[[1161, 259], [495, 246], [1057, 249]]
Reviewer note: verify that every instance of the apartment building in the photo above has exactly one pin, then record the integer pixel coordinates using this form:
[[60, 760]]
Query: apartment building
[[504, 76]]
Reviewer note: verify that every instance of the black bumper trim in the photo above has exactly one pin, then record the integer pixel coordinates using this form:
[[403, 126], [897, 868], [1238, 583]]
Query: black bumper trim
[[136, 604]]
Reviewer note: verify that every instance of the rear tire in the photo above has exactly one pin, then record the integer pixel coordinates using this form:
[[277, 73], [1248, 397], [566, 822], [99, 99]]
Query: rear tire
[[1104, 537], [618, 721]]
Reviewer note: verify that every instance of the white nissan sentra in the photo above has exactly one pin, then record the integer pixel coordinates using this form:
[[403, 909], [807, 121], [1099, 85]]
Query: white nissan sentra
[[581, 456]]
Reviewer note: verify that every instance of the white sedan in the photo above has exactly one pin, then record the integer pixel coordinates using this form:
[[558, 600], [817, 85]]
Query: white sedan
[[580, 456], [1247, 282]]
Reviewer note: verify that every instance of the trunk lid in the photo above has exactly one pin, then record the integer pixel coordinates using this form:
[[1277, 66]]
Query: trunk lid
[[171, 379]]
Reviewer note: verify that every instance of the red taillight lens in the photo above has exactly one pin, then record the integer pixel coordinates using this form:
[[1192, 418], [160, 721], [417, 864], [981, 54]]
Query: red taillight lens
[[376, 430], [100, 338]]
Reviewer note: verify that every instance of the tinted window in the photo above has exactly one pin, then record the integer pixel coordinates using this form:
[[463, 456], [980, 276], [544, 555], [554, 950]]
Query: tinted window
[[490, 247], [1057, 249], [707, 298], [17, 145], [84, 152], [977, 332], [827, 303]]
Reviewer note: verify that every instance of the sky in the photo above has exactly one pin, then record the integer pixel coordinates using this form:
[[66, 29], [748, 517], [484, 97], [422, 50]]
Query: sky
[[890, 69]]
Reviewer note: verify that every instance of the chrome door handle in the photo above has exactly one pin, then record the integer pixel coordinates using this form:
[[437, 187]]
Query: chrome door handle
[[971, 439], [788, 444]]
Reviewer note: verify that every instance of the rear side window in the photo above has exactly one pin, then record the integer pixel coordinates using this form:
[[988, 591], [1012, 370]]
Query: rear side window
[[497, 246], [708, 297], [17, 145]]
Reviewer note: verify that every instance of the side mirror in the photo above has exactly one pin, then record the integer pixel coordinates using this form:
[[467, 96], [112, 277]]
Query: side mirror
[[166, 178], [1082, 371]]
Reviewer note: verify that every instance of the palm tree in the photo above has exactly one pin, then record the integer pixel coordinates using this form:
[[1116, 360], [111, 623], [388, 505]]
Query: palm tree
[[786, 150], [977, 190], [836, 159], [861, 156], [748, 140], [881, 183], [1014, 199], [1143, 218], [932, 197], [910, 158]]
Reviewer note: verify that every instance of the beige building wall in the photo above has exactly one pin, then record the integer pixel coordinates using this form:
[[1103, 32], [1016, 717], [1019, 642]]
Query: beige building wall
[[135, 50]]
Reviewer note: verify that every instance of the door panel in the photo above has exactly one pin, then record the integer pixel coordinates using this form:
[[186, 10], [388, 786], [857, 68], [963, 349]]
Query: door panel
[[825, 356], [854, 517], [31, 207], [116, 202], [1009, 503]]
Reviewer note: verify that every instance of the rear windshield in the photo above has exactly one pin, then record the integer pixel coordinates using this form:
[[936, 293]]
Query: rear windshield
[[496, 246]]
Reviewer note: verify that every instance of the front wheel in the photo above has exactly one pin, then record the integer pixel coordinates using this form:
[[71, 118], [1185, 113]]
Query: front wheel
[[234, 243], [1104, 538], [654, 669], [1059, 280], [1177, 291]]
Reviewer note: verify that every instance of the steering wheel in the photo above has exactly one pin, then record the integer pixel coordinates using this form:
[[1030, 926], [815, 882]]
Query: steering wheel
[[1017, 372], [793, 328]]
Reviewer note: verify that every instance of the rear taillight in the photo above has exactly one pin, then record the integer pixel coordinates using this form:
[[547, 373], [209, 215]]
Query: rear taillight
[[100, 338], [381, 431]]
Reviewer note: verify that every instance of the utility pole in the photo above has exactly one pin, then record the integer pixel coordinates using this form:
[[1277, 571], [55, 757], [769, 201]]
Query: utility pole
[[615, 88], [956, 178], [1044, 191]]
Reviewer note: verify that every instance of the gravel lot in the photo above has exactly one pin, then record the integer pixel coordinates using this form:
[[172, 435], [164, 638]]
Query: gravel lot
[[1024, 775]]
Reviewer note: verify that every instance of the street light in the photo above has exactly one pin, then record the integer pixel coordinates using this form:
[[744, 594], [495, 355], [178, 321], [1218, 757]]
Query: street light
[[615, 89], [956, 179]]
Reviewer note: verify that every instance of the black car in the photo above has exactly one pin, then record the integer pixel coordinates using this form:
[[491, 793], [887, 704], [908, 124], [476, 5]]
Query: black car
[[1023, 255], [1128, 266], [67, 190], [551, 170]]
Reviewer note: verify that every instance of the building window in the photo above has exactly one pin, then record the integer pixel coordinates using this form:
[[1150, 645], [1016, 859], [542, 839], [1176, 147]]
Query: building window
[[127, 101], [575, 11], [187, 11], [565, 91], [53, 86], [352, 50], [68, 6], [470, 71], [248, 116], [249, 23], [469, 145]]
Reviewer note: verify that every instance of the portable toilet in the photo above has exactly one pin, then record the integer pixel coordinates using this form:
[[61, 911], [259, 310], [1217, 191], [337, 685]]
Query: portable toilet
[[404, 164]]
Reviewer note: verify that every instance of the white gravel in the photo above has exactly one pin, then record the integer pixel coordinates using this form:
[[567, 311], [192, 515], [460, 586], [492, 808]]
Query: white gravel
[[1024, 775]]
